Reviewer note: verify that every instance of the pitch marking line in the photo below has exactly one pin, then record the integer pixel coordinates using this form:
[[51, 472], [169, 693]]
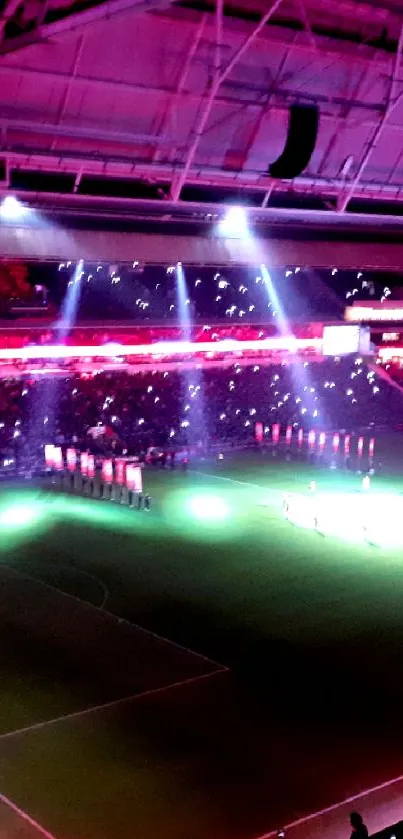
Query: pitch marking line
[[350, 800], [114, 617], [275, 492], [26, 817], [114, 703]]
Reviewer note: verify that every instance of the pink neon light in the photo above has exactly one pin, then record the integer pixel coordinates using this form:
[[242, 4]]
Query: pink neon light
[[322, 439], [275, 432], [164, 348], [49, 455], [336, 442], [288, 434], [371, 447], [311, 439], [300, 436], [91, 466], [84, 463], [120, 472], [58, 458], [387, 353], [134, 478], [259, 432], [347, 444], [360, 445], [107, 471], [71, 457]]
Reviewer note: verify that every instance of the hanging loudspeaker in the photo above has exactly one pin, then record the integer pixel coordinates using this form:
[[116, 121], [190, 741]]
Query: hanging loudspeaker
[[301, 138]]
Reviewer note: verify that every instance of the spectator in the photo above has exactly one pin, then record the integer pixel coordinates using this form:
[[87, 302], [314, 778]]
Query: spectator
[[359, 829]]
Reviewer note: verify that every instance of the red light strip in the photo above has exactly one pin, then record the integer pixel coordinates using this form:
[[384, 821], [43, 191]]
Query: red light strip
[[167, 348], [387, 353]]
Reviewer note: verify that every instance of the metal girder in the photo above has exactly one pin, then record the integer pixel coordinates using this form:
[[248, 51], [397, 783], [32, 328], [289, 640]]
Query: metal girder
[[9, 11], [89, 133], [194, 212], [215, 85], [106, 9], [390, 107], [305, 19], [65, 99], [62, 244], [78, 165], [173, 103], [191, 96]]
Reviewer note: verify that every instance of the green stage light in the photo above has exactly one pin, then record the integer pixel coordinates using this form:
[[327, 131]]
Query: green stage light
[[354, 516], [209, 508], [19, 515]]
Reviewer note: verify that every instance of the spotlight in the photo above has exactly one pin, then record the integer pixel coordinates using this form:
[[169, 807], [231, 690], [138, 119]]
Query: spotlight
[[11, 208], [18, 516], [235, 223], [208, 508]]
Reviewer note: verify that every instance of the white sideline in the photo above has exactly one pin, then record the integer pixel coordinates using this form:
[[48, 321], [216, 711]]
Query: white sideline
[[26, 817], [350, 800], [114, 703]]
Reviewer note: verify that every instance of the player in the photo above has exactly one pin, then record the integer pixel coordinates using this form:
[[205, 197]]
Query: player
[[286, 504]]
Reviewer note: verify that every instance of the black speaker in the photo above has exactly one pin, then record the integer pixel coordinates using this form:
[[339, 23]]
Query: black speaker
[[301, 138]]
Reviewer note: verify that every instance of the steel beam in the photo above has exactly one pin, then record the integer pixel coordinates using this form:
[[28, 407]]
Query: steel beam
[[82, 132], [219, 14], [195, 212], [305, 19], [218, 79], [9, 11], [107, 9], [73, 163], [189, 96], [391, 104], [54, 243], [175, 100], [65, 99]]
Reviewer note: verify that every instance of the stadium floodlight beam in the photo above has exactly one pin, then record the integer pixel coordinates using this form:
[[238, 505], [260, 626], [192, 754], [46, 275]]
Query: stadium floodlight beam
[[235, 223], [195, 419], [11, 209], [70, 304], [183, 301]]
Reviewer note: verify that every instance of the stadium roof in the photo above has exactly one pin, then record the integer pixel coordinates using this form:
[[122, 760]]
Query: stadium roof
[[138, 103]]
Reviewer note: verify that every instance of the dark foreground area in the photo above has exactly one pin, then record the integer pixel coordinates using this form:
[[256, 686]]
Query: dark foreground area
[[310, 626]]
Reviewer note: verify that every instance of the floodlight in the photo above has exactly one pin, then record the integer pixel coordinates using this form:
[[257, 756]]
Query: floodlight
[[18, 515], [208, 508], [234, 223], [11, 208]]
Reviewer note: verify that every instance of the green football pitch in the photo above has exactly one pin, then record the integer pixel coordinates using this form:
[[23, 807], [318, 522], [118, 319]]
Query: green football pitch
[[205, 669]]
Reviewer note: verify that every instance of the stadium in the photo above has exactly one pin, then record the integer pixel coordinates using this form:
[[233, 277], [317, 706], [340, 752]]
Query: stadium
[[201, 419]]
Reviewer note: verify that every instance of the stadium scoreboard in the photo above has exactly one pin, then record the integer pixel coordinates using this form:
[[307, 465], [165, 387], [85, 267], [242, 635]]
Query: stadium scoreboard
[[346, 339]]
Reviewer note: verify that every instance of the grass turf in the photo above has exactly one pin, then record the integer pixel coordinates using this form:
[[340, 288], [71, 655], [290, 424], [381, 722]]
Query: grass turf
[[311, 626]]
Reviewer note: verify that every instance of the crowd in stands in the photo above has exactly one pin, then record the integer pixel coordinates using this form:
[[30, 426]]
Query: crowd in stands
[[13, 338], [193, 407], [200, 405], [149, 293]]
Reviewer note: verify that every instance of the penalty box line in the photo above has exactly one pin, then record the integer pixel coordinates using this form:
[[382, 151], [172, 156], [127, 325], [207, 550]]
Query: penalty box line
[[24, 816], [350, 800], [114, 703], [114, 617]]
